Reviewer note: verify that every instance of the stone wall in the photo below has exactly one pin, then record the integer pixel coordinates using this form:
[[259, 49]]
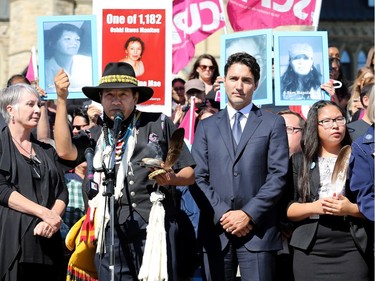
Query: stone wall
[[21, 32]]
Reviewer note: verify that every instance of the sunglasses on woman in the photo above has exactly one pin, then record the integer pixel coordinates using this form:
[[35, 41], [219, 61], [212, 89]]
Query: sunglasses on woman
[[205, 67]]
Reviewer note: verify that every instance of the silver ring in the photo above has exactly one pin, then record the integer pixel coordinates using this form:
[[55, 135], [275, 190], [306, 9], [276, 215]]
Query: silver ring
[[228, 229]]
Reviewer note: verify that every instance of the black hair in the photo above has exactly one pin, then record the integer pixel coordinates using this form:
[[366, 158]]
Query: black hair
[[178, 80], [135, 39], [55, 32], [82, 113], [246, 59], [194, 74], [291, 81], [310, 145], [343, 91]]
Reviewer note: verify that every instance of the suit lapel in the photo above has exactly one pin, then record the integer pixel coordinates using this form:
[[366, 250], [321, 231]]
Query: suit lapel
[[252, 124], [223, 126]]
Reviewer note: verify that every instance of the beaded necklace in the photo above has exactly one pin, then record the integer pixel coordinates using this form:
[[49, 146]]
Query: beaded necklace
[[122, 142]]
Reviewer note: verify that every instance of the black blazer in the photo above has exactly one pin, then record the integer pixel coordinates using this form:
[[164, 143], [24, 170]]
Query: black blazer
[[305, 230]]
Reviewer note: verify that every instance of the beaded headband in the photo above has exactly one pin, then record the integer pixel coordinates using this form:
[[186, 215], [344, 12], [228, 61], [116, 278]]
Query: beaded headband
[[119, 79]]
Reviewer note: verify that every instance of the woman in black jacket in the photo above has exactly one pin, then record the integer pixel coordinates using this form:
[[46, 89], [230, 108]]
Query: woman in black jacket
[[329, 241], [33, 195]]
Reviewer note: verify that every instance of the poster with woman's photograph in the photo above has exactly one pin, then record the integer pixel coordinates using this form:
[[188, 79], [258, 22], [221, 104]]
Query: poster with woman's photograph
[[258, 44], [67, 42], [301, 66]]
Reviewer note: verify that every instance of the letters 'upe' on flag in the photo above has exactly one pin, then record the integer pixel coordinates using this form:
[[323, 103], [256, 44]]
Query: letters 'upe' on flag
[[188, 123], [31, 73], [193, 21], [262, 14]]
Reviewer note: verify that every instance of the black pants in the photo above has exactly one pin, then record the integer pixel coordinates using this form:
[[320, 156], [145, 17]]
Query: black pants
[[129, 241], [32, 271]]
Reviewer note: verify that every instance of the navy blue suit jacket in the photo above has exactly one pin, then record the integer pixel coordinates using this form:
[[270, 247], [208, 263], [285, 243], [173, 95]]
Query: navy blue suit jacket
[[250, 179]]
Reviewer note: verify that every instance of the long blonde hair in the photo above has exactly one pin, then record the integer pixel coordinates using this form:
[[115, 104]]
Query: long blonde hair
[[359, 82]]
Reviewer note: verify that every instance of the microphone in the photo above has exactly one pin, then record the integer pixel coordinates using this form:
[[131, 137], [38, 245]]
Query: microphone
[[91, 187], [117, 122]]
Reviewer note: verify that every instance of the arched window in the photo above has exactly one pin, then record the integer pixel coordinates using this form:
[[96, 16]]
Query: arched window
[[345, 64], [361, 59]]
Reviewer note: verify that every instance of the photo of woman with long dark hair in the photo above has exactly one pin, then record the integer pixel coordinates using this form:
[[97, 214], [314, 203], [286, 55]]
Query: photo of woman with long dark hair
[[301, 80]]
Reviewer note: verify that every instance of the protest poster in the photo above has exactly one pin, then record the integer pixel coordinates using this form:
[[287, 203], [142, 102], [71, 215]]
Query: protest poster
[[301, 66], [257, 43], [139, 33], [67, 42]]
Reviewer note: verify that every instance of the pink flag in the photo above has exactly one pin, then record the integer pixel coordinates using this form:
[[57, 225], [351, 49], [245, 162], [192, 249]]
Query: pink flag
[[31, 73], [193, 21], [262, 14], [188, 123]]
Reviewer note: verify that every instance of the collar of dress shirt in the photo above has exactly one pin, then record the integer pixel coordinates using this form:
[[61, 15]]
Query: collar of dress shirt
[[245, 111]]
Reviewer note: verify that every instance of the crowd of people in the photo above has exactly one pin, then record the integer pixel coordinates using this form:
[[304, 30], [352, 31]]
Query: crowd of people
[[263, 196]]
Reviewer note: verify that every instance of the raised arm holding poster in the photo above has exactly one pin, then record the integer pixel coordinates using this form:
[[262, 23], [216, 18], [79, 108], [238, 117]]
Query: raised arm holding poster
[[139, 35]]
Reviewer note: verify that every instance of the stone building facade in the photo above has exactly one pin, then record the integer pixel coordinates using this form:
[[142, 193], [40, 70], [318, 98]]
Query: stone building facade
[[18, 33]]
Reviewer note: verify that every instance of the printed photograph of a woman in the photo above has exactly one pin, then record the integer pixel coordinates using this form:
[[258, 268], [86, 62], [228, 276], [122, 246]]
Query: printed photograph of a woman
[[301, 67], [134, 48], [65, 48]]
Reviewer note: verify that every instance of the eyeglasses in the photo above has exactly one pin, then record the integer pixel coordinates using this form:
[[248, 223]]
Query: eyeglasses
[[205, 67], [328, 123], [179, 89], [292, 130], [78, 127]]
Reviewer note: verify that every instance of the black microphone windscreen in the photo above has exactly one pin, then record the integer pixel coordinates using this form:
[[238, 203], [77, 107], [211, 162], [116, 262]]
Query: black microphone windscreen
[[89, 156], [89, 152], [119, 116], [118, 119]]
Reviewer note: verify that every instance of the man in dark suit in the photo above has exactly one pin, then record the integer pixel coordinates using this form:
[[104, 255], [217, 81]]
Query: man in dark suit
[[242, 175]]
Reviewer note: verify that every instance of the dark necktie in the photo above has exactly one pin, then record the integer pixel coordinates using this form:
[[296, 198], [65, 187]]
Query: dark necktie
[[237, 130]]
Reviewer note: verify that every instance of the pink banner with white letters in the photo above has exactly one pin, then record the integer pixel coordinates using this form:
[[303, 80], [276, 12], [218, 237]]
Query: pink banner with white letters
[[193, 21], [262, 14]]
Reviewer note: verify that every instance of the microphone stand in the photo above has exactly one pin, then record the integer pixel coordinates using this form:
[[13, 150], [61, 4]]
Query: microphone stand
[[110, 183]]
